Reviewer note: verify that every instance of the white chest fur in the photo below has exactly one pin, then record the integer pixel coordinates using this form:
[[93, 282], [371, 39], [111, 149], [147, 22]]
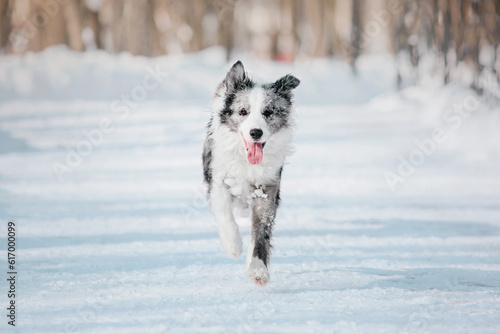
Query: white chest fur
[[231, 167], [230, 157]]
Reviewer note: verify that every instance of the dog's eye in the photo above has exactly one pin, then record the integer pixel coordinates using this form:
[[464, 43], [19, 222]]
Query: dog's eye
[[267, 113], [243, 112]]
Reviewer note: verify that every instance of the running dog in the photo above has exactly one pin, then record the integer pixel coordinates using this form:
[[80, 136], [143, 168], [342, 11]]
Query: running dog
[[248, 138]]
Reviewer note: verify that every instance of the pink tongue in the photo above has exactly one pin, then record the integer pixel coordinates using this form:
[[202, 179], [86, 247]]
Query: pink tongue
[[254, 153]]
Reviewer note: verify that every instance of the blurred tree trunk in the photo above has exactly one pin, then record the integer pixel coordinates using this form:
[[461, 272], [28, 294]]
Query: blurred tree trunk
[[50, 23], [446, 13], [286, 38], [5, 15], [117, 34], [28, 15], [356, 34], [274, 32], [155, 36], [227, 26], [315, 17], [136, 27], [73, 23], [333, 39], [496, 35], [296, 22], [92, 21], [400, 38], [195, 13]]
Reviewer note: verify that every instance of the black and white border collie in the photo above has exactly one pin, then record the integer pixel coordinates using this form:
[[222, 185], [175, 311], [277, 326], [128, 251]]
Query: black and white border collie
[[249, 136]]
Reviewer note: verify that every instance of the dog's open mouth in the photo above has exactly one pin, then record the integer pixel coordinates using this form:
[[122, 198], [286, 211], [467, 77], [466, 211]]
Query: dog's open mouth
[[254, 151]]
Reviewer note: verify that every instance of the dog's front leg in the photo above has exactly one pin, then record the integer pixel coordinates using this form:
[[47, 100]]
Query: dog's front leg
[[259, 252], [220, 206]]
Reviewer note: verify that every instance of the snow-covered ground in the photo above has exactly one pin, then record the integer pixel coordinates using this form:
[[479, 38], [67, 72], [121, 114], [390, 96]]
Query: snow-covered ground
[[114, 234]]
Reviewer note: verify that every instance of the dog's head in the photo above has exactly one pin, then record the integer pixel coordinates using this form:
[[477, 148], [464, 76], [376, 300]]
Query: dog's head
[[254, 111]]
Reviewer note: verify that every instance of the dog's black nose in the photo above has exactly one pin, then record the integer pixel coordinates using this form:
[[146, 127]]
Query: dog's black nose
[[256, 133]]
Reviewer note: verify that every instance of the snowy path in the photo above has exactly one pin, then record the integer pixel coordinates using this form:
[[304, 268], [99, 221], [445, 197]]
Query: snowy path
[[125, 243]]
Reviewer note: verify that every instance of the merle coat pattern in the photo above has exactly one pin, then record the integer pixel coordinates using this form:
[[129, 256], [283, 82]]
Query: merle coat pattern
[[249, 136]]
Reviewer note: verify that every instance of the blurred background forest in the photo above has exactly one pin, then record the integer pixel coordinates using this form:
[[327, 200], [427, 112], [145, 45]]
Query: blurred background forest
[[457, 33]]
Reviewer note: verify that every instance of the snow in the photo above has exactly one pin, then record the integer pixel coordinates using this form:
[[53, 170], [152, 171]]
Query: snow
[[125, 243]]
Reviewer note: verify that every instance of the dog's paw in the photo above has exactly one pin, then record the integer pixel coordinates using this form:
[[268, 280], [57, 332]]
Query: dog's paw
[[257, 271], [231, 242]]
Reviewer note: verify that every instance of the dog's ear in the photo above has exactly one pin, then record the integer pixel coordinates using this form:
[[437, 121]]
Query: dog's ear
[[285, 84], [237, 78]]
